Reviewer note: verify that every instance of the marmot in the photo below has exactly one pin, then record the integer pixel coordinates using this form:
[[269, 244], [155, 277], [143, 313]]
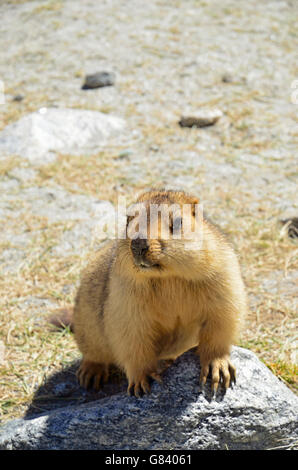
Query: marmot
[[144, 300]]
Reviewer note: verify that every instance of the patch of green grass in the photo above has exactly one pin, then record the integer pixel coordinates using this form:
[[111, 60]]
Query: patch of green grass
[[286, 372]]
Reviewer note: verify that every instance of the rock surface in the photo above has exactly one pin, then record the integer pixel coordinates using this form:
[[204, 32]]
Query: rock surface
[[258, 413], [39, 135]]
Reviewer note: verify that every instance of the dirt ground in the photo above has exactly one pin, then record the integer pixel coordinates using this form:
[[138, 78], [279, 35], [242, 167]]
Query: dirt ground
[[169, 59]]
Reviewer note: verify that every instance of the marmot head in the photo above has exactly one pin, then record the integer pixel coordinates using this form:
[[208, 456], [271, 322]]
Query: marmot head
[[163, 235]]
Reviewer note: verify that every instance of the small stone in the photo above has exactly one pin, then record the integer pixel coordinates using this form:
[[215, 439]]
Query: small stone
[[99, 80], [18, 98], [227, 78], [235, 79], [202, 118]]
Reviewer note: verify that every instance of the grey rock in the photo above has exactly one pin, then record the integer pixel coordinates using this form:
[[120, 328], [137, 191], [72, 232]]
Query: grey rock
[[18, 98], [39, 135], [201, 118], [259, 412], [227, 78], [99, 80]]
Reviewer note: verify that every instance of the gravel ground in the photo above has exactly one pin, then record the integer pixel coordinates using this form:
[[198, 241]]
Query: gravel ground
[[169, 59]]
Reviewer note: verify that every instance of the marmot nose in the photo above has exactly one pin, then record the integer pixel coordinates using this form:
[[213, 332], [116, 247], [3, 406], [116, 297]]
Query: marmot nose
[[139, 246]]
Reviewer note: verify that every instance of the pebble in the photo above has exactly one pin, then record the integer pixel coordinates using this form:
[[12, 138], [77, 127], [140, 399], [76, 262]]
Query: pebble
[[18, 98], [227, 78], [99, 80], [235, 79], [201, 118]]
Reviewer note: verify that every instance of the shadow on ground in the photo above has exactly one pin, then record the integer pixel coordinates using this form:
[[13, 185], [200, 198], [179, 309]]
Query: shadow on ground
[[61, 389]]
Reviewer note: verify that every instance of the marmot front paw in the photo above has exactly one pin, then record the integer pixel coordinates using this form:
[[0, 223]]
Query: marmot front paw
[[222, 371], [92, 373], [139, 386]]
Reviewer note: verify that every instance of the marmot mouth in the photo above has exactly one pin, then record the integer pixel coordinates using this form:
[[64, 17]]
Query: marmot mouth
[[145, 265]]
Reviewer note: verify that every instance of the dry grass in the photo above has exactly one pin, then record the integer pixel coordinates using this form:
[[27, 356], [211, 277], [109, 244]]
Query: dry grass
[[48, 6], [16, 110], [27, 343], [272, 322], [6, 165], [95, 175], [32, 351]]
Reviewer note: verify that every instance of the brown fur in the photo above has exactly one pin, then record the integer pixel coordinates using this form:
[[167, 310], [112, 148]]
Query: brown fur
[[134, 316]]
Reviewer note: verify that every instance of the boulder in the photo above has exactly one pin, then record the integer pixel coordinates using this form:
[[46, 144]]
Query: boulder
[[40, 135], [259, 412]]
